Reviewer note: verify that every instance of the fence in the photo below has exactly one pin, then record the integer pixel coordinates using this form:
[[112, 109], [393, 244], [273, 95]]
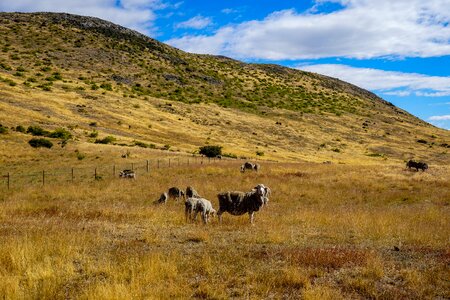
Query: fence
[[10, 180]]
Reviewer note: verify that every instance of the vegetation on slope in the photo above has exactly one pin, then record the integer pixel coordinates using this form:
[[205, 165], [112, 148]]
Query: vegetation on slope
[[82, 73]]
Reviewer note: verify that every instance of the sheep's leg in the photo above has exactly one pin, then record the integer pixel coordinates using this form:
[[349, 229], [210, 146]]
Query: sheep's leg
[[219, 216], [251, 214], [195, 215]]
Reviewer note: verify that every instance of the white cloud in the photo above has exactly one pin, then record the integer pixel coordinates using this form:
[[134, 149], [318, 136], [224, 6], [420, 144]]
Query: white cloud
[[134, 14], [197, 22], [440, 118], [386, 82], [361, 29]]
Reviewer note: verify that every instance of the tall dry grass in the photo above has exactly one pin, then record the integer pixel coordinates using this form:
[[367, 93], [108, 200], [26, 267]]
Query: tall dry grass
[[329, 232]]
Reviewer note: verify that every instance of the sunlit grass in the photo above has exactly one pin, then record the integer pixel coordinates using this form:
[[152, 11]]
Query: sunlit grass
[[327, 233]]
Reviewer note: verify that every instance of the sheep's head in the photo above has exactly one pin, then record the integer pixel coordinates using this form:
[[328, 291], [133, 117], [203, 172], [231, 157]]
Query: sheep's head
[[265, 192]]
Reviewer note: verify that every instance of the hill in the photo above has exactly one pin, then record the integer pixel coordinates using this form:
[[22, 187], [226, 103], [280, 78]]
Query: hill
[[98, 79]]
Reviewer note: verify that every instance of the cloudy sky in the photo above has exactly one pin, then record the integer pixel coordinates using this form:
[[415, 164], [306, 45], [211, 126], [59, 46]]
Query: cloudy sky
[[399, 49]]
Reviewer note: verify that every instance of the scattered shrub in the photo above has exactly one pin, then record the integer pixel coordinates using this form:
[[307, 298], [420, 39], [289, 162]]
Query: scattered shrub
[[3, 129], [20, 128], [40, 142], [60, 133], [93, 134], [211, 150], [80, 156], [422, 141], [37, 131], [107, 140], [259, 153]]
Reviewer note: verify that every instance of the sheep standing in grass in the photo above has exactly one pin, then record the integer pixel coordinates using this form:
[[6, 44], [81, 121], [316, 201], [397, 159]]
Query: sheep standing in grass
[[162, 199], [175, 193], [127, 174], [239, 203], [193, 206], [204, 207], [250, 166], [191, 193], [189, 208]]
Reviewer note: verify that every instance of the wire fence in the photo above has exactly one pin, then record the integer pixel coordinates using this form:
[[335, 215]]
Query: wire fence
[[14, 180]]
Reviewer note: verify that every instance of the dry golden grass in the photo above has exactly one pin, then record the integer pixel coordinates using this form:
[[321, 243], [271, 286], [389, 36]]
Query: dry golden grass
[[329, 232]]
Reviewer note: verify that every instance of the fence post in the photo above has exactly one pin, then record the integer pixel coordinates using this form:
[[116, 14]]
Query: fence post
[[8, 180], [147, 166], [132, 166], [95, 174], [158, 163], [72, 175], [43, 178]]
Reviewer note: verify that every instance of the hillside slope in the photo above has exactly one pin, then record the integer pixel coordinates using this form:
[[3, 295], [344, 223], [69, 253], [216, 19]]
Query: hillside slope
[[92, 76]]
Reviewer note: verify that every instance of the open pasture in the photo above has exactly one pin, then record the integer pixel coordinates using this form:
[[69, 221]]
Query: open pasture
[[329, 232]]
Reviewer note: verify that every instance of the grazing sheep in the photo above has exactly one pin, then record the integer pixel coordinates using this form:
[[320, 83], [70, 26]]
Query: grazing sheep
[[162, 199], [127, 174], [191, 193], [239, 203], [249, 166], [175, 193], [417, 165], [204, 207], [190, 206]]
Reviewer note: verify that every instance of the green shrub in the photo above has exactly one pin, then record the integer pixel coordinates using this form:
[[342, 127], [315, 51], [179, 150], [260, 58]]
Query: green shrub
[[93, 134], [422, 141], [3, 129], [37, 131], [40, 142], [60, 133], [210, 150], [107, 140], [259, 153], [80, 156], [20, 128]]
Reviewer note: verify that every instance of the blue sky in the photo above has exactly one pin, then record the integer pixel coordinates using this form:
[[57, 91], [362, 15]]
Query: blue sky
[[399, 49]]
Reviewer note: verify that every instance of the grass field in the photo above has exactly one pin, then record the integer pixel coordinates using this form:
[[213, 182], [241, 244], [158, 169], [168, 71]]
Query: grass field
[[329, 232]]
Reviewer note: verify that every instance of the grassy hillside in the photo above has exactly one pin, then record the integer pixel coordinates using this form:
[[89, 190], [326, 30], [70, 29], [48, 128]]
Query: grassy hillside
[[92, 77]]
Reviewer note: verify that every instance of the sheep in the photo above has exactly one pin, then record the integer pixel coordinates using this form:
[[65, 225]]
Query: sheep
[[162, 199], [250, 166], [127, 174], [189, 207], [204, 207], [239, 203], [267, 192], [175, 193], [191, 193], [193, 206]]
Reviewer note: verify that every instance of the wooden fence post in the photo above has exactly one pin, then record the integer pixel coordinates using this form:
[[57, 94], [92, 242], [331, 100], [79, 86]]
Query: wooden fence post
[[132, 166], [43, 178], [95, 174], [158, 163], [72, 175], [8, 180], [147, 166]]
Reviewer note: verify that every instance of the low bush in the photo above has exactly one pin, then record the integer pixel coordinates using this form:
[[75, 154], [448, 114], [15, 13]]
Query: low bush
[[20, 128], [106, 140], [40, 142], [3, 129], [60, 133], [211, 150], [37, 131]]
